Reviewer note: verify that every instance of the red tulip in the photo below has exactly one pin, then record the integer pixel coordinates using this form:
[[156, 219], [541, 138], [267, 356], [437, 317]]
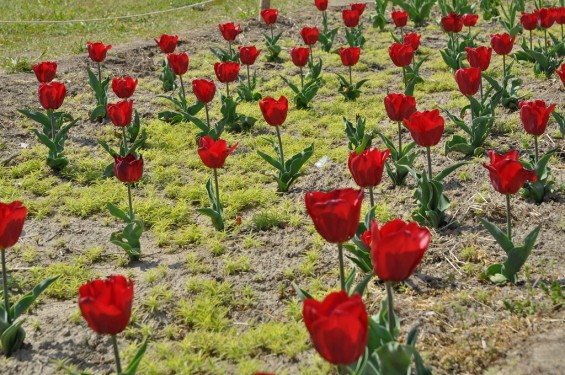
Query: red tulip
[[45, 71], [204, 90], [336, 213], [399, 106], [338, 326], [51, 95], [310, 35], [452, 23], [367, 167], [12, 216], [560, 15], [546, 17], [321, 4], [214, 153], [124, 87], [400, 18], [561, 73], [397, 248], [468, 80], [425, 127], [506, 173], [366, 238], [120, 113], [269, 16], [300, 55], [401, 54], [350, 55], [350, 17], [502, 43], [106, 304], [534, 116], [412, 40], [167, 43], [226, 71], [470, 19], [529, 21], [229, 30], [248, 55], [479, 57], [178, 62], [359, 7], [128, 169], [274, 111], [97, 51]]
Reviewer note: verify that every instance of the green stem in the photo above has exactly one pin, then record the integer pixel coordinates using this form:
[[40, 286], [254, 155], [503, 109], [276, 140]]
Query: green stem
[[5, 285], [481, 85], [325, 21], [50, 112], [280, 146], [130, 202], [301, 79], [390, 307], [229, 48], [341, 370], [429, 162], [182, 87], [404, 77], [248, 78], [207, 115], [508, 218], [272, 33], [545, 38], [341, 267], [99, 74], [124, 140], [531, 39], [399, 138], [227, 89], [116, 354], [311, 55], [371, 196], [350, 76], [536, 147], [471, 109], [217, 187], [504, 72]]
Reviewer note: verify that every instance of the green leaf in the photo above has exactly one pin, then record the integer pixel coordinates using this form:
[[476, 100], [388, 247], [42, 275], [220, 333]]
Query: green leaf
[[13, 337], [301, 293], [275, 163], [116, 212], [447, 171], [132, 367], [518, 255], [37, 116], [498, 235], [26, 301], [360, 288], [394, 358]]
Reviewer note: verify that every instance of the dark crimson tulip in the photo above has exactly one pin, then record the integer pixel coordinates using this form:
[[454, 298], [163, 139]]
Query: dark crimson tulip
[[12, 216], [529, 21], [506, 173], [502, 43], [121, 112], [350, 55], [560, 15], [124, 87], [366, 238], [470, 19], [274, 111], [399, 106], [359, 7], [269, 16], [452, 23], [214, 153], [97, 51], [178, 62], [52, 94], [561, 73], [534, 116], [128, 169], [167, 43], [229, 30], [468, 80], [546, 17], [350, 17], [426, 128], [45, 71], [226, 71], [248, 55], [204, 90], [300, 55], [412, 40], [479, 57], [321, 4], [106, 304], [336, 213], [338, 326], [310, 35], [367, 167], [401, 54], [397, 248], [400, 18]]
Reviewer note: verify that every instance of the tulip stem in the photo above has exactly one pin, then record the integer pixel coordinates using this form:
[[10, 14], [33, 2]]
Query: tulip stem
[[207, 115], [117, 354], [230, 49], [217, 188], [481, 85], [545, 38], [371, 196], [429, 162], [182, 87], [99, 74], [508, 217], [399, 138], [504, 72], [325, 21], [341, 267], [248, 78], [5, 285], [302, 79], [531, 39], [227, 89], [536, 148], [390, 307], [130, 202], [311, 55], [272, 33], [124, 140], [281, 154], [52, 120], [404, 77], [471, 109]]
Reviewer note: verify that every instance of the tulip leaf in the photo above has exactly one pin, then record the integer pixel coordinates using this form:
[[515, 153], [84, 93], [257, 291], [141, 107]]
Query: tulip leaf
[[517, 256], [560, 120], [349, 280], [301, 293], [394, 358], [275, 163], [498, 235], [12, 337], [128, 239], [116, 212], [37, 116], [108, 149], [26, 301], [132, 367], [360, 288], [378, 334], [447, 171], [412, 335]]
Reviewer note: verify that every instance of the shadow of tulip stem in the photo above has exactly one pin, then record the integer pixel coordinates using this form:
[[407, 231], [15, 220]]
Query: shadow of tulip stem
[[116, 354], [508, 218], [341, 267], [5, 285], [390, 307]]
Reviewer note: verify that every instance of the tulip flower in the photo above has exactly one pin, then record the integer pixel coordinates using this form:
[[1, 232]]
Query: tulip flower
[[247, 56], [359, 7], [468, 80], [124, 87], [167, 43], [560, 19], [502, 44], [561, 73], [226, 72], [97, 53], [469, 19], [452, 23], [106, 307], [546, 19], [412, 40], [350, 17], [338, 327], [300, 57], [400, 18], [399, 107], [128, 169], [204, 91], [507, 176], [269, 16], [309, 35], [535, 116], [274, 111], [178, 62], [529, 22], [229, 31], [45, 71], [367, 168], [51, 95], [336, 216], [214, 153], [479, 57], [426, 128], [120, 113], [322, 5], [401, 55]]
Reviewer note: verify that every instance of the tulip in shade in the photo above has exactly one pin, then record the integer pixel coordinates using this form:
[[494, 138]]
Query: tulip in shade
[[51, 95], [128, 169], [178, 62], [502, 43], [274, 111], [214, 153], [120, 113], [229, 30], [401, 54], [350, 17], [269, 16], [338, 326], [452, 23], [248, 55], [322, 5], [97, 51], [470, 19], [124, 87], [468, 80], [309, 35], [561, 73], [300, 56], [359, 7], [12, 217], [367, 168], [412, 40], [167, 43], [45, 71], [506, 173], [400, 18], [534, 116], [426, 127], [479, 57], [350, 55], [204, 90]]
